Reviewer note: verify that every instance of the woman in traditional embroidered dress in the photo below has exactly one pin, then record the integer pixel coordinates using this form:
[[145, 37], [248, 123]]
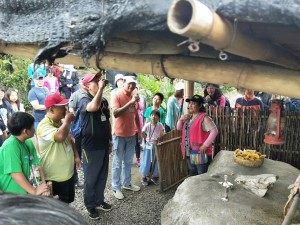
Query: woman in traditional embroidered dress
[[151, 132], [198, 133]]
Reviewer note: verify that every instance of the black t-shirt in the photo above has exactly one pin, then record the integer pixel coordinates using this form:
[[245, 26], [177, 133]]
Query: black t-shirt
[[96, 129]]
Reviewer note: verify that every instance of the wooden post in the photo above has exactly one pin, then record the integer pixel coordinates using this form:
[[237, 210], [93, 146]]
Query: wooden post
[[189, 89], [188, 92]]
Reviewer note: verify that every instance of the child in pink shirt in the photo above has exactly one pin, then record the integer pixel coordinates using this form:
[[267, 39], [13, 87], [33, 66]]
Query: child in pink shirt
[[151, 132]]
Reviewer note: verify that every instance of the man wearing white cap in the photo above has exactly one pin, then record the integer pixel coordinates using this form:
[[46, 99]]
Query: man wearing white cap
[[119, 81], [125, 117], [175, 107]]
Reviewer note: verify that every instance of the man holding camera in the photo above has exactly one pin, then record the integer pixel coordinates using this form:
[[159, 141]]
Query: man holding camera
[[96, 139]]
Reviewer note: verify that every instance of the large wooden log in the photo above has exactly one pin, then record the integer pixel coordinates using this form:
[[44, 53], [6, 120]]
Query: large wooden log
[[246, 75]]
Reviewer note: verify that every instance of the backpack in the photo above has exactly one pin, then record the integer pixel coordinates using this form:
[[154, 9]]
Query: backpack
[[76, 125]]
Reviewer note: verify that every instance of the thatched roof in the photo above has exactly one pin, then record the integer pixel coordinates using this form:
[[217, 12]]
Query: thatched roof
[[86, 27]]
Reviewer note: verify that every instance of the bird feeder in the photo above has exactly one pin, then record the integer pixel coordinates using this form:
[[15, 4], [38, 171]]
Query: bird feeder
[[275, 124]]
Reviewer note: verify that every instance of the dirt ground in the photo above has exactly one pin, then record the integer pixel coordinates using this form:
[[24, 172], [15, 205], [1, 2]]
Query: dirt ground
[[143, 207]]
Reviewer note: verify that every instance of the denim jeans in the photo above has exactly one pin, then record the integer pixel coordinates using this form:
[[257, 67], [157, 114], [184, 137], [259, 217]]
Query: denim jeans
[[122, 161]]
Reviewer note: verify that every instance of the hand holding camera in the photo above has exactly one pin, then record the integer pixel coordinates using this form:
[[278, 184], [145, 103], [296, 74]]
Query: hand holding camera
[[102, 83]]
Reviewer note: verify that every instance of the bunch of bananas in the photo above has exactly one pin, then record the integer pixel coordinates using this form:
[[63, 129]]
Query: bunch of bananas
[[248, 154]]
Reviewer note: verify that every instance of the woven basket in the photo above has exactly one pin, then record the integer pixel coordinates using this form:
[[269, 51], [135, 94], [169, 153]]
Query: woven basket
[[249, 163]]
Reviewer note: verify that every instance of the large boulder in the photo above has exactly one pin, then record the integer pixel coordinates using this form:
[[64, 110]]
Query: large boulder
[[198, 200]]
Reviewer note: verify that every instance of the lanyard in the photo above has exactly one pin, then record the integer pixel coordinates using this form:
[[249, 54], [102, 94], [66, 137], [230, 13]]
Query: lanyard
[[151, 134]]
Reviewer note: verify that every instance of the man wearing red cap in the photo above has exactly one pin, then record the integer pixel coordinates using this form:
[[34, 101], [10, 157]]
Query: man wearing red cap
[[96, 137], [58, 152]]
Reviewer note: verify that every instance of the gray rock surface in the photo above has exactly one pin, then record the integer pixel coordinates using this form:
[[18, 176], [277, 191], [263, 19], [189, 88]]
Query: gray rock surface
[[198, 199]]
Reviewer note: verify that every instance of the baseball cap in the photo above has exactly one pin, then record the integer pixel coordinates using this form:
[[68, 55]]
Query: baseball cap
[[129, 79], [179, 86], [89, 77], [196, 98], [55, 100], [118, 77], [37, 75]]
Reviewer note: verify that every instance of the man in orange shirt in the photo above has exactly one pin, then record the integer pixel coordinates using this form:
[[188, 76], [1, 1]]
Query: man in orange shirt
[[125, 118]]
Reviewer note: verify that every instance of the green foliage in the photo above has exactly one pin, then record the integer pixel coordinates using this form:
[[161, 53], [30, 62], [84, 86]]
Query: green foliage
[[227, 89], [149, 85], [13, 73]]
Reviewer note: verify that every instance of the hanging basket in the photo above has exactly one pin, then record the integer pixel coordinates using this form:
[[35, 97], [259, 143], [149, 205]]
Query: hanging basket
[[249, 163]]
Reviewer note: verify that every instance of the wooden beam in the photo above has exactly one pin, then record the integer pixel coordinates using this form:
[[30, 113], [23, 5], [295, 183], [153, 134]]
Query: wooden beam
[[246, 75]]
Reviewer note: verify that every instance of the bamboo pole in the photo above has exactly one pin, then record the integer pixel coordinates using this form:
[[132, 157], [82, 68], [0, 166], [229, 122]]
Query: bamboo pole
[[193, 19], [189, 89], [257, 77], [245, 75]]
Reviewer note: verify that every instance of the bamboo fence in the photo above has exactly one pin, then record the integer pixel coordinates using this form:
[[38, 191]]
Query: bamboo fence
[[245, 129], [238, 128], [172, 167]]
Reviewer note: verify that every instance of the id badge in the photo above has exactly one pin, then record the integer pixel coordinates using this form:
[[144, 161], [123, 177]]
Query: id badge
[[149, 146], [103, 118]]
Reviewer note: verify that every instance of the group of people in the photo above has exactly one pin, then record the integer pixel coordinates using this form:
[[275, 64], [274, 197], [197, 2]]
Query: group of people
[[25, 169], [27, 163], [57, 78]]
